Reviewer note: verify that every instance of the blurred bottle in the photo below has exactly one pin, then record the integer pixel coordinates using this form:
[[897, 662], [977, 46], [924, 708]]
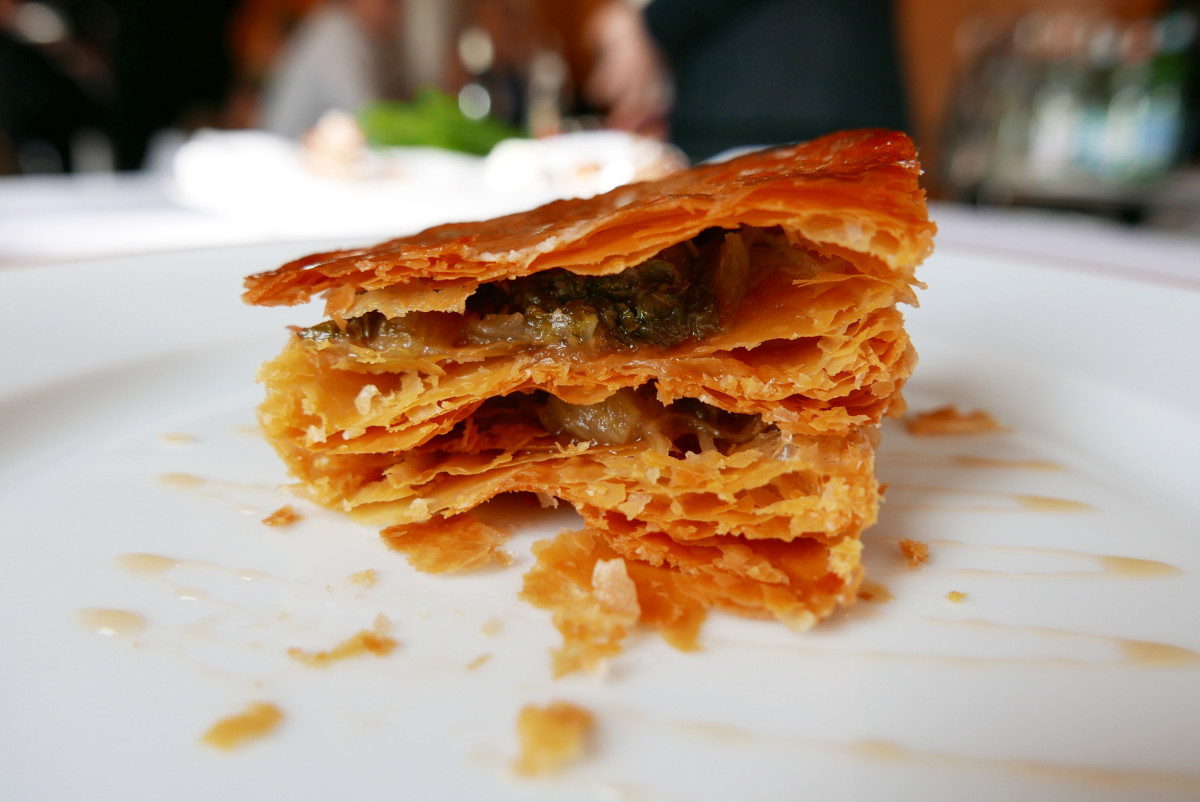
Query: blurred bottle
[[1071, 103], [1058, 101], [1166, 115], [1101, 52]]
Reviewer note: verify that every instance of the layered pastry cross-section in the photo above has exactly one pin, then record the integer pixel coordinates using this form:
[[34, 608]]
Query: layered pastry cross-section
[[697, 364]]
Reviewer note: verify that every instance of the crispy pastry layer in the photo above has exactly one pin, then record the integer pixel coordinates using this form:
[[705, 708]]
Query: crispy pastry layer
[[710, 411], [854, 193]]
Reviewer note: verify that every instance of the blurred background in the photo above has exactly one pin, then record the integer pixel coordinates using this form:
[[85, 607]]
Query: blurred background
[[1088, 106]]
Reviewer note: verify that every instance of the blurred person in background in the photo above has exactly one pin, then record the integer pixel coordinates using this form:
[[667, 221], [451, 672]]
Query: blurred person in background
[[630, 80], [44, 106], [746, 72], [338, 59]]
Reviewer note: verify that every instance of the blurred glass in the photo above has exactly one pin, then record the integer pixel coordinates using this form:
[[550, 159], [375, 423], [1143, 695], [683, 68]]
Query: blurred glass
[[508, 67]]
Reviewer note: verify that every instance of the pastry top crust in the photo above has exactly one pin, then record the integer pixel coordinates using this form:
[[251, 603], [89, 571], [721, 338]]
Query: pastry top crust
[[855, 191]]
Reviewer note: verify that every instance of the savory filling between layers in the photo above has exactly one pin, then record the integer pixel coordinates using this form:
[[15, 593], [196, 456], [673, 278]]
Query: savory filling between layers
[[686, 469], [755, 521], [635, 415], [684, 293]]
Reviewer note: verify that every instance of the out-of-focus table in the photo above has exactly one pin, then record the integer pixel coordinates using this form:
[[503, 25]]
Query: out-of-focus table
[[66, 218], [230, 188], [61, 218]]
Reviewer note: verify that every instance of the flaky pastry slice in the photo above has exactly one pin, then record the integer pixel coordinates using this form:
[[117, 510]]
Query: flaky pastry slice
[[697, 364]]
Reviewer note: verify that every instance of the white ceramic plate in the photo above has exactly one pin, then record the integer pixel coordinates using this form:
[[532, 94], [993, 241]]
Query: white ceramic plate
[[1069, 671]]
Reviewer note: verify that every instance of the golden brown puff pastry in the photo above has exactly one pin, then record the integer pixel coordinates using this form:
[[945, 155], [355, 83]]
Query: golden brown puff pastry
[[697, 364]]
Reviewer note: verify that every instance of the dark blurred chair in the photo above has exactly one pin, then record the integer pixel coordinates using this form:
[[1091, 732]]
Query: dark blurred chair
[[751, 72]]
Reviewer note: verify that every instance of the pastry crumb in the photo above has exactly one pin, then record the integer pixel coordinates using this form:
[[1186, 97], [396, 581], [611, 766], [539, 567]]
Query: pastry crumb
[[874, 592], [368, 641], [478, 661], [956, 596], [284, 516], [552, 736], [490, 627], [914, 551], [449, 545], [176, 439], [362, 402], [257, 720], [948, 420], [365, 578], [614, 589]]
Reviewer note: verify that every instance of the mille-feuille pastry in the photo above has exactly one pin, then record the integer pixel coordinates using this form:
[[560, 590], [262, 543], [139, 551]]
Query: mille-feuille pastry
[[697, 364]]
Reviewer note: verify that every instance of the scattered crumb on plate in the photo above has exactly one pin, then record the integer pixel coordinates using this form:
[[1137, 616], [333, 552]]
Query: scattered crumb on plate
[[449, 545], [956, 596], [563, 580], [284, 516], [596, 598], [368, 641], [176, 439], [948, 420], [491, 627], [874, 592], [478, 661], [257, 720], [365, 578], [914, 551], [552, 737]]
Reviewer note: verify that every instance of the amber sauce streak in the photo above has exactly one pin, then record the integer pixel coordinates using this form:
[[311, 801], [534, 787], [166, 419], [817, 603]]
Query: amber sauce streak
[[882, 751], [874, 592], [924, 460], [1021, 501], [1148, 654], [1108, 565], [111, 623], [215, 489], [1128, 652], [142, 564]]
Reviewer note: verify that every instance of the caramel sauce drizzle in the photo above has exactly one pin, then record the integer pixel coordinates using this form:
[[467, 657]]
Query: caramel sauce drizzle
[[1024, 501], [884, 751], [215, 489], [1110, 565], [156, 565], [926, 460], [874, 592], [1148, 654], [111, 623], [256, 721], [1128, 652]]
